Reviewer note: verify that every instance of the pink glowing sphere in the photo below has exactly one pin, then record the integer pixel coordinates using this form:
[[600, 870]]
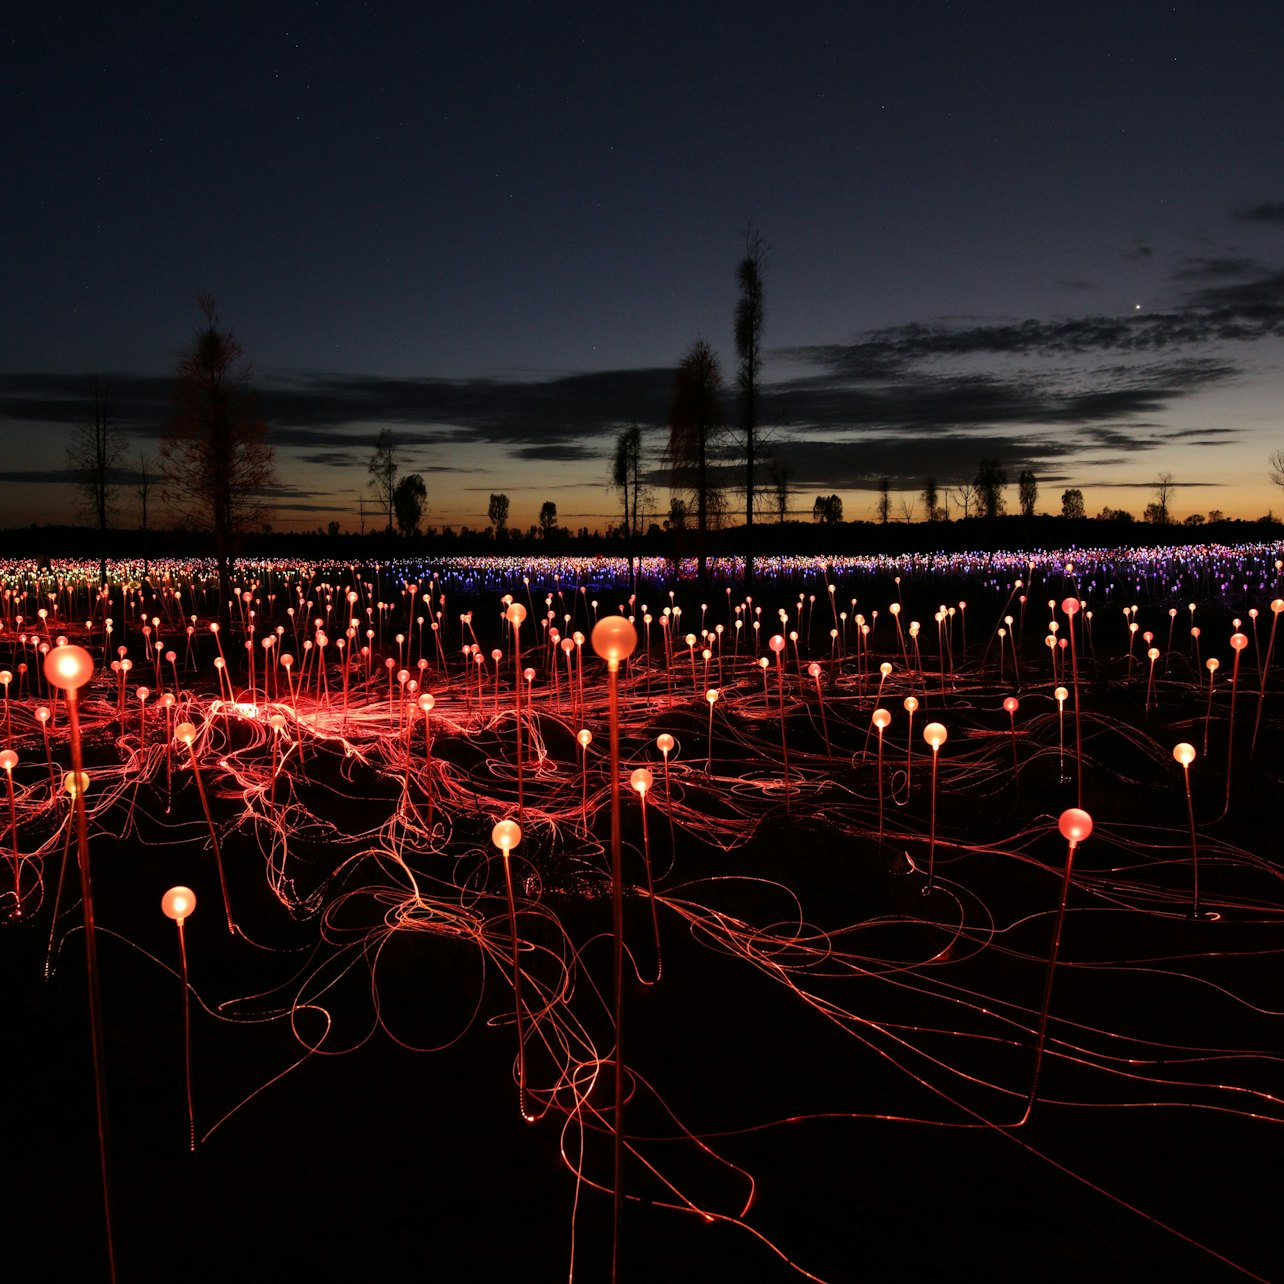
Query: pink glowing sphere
[[178, 903], [614, 638], [68, 667], [777, 643], [515, 615], [885, 668], [585, 737], [276, 722], [1070, 605], [664, 743], [1061, 693], [813, 670], [1184, 753], [8, 760], [881, 719], [642, 780], [935, 734], [506, 835], [1278, 605], [1011, 704], [427, 702], [1238, 641], [185, 732], [1075, 824], [76, 782], [1153, 653], [911, 704]]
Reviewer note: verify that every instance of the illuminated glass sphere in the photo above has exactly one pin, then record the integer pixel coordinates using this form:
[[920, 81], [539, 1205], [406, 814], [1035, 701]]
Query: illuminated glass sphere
[[68, 667], [911, 704], [614, 638], [664, 743], [426, 702], [276, 722], [712, 694], [8, 760], [813, 670], [1075, 824], [515, 615], [76, 782], [186, 732], [1238, 641], [641, 780], [935, 734], [506, 835], [881, 719], [1011, 704], [178, 903], [1184, 753], [777, 643], [585, 737], [1061, 693]]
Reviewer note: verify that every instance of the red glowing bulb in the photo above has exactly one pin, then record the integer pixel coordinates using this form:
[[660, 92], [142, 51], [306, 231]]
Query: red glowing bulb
[[68, 667], [506, 835], [178, 903], [614, 638], [1075, 824]]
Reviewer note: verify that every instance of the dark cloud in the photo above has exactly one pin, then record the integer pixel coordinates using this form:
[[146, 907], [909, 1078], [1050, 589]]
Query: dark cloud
[[963, 386], [1137, 250], [1266, 212], [1215, 269]]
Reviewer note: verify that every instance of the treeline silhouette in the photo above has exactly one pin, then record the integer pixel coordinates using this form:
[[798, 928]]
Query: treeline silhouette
[[789, 538]]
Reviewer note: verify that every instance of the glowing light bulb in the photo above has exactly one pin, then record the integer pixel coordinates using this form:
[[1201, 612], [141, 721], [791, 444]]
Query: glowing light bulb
[[178, 903], [1011, 704], [8, 760], [68, 667], [506, 835], [911, 704], [881, 719], [1184, 753], [585, 737], [614, 638], [185, 732], [935, 734], [1075, 824], [642, 780], [664, 743]]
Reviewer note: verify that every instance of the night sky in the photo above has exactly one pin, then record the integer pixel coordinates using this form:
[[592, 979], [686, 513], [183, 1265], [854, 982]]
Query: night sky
[[1049, 234]]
